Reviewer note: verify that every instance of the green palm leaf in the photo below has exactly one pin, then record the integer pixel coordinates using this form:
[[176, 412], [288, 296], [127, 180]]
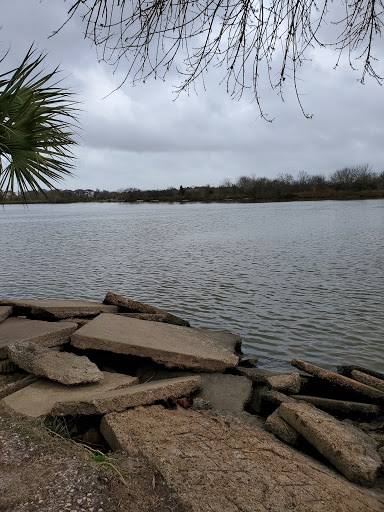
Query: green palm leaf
[[37, 122]]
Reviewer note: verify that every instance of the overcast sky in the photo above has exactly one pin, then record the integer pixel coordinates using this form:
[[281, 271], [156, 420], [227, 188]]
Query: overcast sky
[[140, 137]]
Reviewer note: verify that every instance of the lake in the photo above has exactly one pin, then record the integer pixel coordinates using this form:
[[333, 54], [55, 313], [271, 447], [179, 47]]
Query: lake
[[299, 279]]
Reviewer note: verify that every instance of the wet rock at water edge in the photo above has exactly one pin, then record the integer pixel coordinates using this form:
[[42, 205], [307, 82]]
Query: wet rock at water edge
[[132, 306]]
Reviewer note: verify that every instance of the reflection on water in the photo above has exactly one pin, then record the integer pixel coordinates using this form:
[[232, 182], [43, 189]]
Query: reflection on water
[[294, 279]]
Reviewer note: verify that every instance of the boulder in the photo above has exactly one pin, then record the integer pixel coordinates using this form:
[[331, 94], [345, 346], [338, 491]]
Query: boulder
[[121, 399], [275, 424], [216, 464], [352, 452], [46, 334], [132, 306], [170, 345], [341, 408], [225, 392], [290, 384], [62, 367], [340, 381], [38, 399], [77, 320], [5, 312], [57, 309]]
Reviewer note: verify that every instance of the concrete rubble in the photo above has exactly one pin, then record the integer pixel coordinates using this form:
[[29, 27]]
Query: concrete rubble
[[216, 465], [347, 448], [62, 367], [47, 334], [213, 436], [132, 306], [57, 309], [5, 312], [170, 345], [38, 399]]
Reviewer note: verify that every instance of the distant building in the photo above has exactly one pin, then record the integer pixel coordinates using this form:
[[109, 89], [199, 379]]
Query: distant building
[[84, 194]]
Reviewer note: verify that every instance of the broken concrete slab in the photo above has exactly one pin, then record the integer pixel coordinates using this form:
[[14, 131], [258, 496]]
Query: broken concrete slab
[[38, 399], [77, 320], [265, 400], [283, 430], [63, 367], [341, 381], [214, 464], [352, 452], [11, 383], [57, 309], [150, 317], [347, 369], [341, 408], [46, 334], [225, 392], [170, 345], [132, 306], [285, 383], [369, 380], [5, 312], [122, 399]]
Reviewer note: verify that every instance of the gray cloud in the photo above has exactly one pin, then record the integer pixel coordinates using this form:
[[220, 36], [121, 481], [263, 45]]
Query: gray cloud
[[138, 136]]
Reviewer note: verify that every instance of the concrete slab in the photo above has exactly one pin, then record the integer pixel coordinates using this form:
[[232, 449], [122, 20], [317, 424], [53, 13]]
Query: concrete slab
[[63, 367], [214, 464], [132, 306], [352, 452], [341, 408], [122, 399], [57, 309], [283, 430], [170, 345], [225, 392], [38, 399], [11, 383], [5, 312], [47, 334]]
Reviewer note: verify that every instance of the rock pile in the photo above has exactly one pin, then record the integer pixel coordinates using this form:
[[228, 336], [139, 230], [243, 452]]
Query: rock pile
[[84, 359]]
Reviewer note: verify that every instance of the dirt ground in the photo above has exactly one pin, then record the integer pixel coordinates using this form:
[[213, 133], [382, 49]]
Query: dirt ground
[[45, 473]]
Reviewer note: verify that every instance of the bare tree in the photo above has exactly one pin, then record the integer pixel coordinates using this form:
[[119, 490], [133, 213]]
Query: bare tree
[[248, 39]]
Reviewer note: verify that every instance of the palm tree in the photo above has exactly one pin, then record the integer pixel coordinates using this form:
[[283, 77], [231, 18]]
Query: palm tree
[[37, 121]]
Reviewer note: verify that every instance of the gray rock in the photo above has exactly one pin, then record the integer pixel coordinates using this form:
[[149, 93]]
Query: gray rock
[[122, 399], [57, 309], [226, 392], [47, 334], [275, 424], [38, 399], [171, 345], [5, 312], [132, 306], [285, 383], [20, 382], [62, 367], [352, 452]]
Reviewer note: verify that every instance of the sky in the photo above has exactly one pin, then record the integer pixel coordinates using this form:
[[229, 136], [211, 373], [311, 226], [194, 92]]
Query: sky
[[141, 136]]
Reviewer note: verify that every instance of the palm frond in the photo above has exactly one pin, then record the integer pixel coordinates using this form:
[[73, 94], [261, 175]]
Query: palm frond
[[38, 117]]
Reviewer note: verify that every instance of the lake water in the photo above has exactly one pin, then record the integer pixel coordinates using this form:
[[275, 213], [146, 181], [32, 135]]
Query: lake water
[[300, 279]]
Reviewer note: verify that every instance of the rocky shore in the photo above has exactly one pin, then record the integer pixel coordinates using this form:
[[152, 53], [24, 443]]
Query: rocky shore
[[221, 433]]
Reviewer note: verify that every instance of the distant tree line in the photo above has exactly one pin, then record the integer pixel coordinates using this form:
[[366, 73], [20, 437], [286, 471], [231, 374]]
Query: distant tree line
[[350, 182]]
